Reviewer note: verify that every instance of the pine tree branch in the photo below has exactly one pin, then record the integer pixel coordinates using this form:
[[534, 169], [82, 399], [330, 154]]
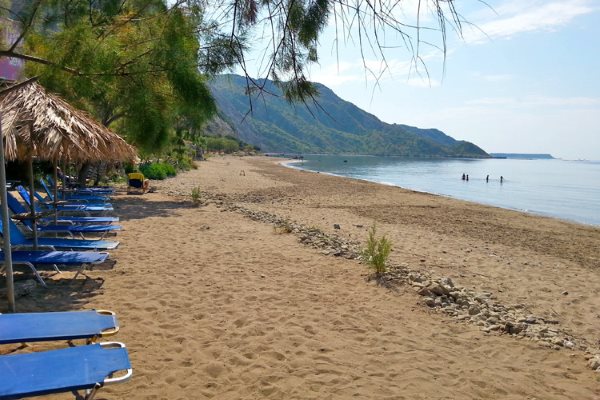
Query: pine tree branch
[[26, 57]]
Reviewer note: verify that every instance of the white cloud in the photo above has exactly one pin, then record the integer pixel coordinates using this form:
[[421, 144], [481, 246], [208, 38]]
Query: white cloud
[[514, 17], [372, 72], [335, 74], [536, 101], [495, 77], [422, 82]]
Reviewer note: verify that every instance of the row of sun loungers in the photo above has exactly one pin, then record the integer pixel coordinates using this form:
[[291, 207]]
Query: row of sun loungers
[[84, 368], [81, 369]]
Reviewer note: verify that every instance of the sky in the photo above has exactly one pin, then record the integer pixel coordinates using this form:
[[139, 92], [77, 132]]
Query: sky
[[523, 78]]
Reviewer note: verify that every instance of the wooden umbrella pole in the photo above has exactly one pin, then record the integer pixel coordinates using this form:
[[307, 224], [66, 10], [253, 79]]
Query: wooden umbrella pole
[[8, 267], [31, 191], [55, 192], [64, 181]]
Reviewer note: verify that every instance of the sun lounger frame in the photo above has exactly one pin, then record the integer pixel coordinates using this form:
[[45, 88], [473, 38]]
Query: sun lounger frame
[[90, 390]]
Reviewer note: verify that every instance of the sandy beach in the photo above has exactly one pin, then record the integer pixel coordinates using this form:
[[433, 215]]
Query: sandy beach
[[213, 304]]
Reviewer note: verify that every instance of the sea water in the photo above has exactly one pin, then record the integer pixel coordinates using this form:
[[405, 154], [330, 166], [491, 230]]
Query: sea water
[[563, 189]]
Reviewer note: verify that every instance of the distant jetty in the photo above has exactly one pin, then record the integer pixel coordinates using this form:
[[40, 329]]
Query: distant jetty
[[523, 156]]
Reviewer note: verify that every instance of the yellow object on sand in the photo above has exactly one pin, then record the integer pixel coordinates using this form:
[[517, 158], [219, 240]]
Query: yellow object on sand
[[137, 180]]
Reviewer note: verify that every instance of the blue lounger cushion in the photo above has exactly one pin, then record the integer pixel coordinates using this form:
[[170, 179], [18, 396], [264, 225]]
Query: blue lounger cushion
[[79, 228], [25, 196], [79, 207], [87, 189], [53, 258], [47, 326], [77, 244], [18, 208], [19, 239], [56, 257], [85, 198], [84, 220], [63, 207], [75, 197], [63, 370], [70, 204]]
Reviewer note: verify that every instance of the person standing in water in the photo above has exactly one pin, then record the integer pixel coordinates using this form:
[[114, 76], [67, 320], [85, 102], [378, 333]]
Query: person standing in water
[[467, 177], [463, 176], [501, 179], [487, 179]]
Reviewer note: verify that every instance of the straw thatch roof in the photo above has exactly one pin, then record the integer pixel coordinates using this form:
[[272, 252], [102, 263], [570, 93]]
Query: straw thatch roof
[[60, 131]]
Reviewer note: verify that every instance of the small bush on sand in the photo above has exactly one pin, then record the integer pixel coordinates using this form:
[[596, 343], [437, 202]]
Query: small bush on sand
[[377, 251], [283, 228], [196, 196]]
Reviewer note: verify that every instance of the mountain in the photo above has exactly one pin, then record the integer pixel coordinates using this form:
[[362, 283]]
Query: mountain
[[331, 126]]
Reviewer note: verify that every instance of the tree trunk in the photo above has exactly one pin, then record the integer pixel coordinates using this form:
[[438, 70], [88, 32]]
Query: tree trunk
[[83, 173], [100, 172]]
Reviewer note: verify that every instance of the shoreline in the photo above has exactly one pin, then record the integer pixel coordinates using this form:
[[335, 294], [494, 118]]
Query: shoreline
[[289, 164], [216, 301]]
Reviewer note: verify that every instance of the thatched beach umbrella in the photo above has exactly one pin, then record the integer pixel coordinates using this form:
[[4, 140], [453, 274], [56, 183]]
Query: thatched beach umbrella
[[35, 123], [57, 132], [60, 131]]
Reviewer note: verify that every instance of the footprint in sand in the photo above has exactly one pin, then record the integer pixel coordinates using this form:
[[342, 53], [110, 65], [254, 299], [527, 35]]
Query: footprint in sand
[[240, 322], [275, 355], [309, 329], [214, 369]]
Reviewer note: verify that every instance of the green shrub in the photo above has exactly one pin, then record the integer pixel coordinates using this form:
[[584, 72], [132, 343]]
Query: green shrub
[[129, 168], [181, 162], [196, 196], [377, 251], [158, 171], [153, 171], [169, 169], [224, 144], [185, 164]]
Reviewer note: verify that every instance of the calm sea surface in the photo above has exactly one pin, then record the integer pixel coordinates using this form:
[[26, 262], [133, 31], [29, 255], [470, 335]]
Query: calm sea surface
[[564, 189]]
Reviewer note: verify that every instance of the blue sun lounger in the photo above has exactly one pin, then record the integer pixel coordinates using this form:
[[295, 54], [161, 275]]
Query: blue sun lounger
[[18, 239], [56, 257], [48, 184], [71, 229], [53, 258], [74, 198], [61, 218], [68, 205], [43, 227], [100, 190], [78, 229], [72, 369], [48, 326], [63, 207]]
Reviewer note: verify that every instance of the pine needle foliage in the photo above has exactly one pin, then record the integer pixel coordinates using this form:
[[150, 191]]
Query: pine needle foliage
[[377, 251], [132, 64], [122, 47]]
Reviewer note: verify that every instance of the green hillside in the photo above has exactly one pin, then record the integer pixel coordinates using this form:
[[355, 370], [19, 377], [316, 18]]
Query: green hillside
[[333, 126]]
